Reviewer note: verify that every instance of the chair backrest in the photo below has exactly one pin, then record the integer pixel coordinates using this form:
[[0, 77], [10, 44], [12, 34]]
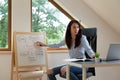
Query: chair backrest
[[91, 34]]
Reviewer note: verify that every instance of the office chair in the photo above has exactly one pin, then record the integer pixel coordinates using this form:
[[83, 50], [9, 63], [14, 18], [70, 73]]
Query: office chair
[[91, 34]]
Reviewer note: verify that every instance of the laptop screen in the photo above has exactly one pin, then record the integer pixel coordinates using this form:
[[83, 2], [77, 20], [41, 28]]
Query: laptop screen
[[113, 52]]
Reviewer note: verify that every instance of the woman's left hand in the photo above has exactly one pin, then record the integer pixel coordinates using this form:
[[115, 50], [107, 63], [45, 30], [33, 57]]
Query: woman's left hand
[[93, 56]]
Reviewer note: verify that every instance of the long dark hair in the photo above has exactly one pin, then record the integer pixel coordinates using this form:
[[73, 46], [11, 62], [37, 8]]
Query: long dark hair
[[68, 37]]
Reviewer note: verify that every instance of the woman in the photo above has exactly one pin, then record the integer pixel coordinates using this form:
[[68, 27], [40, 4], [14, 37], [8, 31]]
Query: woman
[[77, 44]]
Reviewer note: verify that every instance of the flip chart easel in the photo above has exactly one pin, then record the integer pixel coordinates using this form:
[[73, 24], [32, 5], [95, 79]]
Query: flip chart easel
[[27, 57]]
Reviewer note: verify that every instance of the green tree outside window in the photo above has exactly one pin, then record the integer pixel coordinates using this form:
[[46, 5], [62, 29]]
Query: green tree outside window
[[3, 23], [47, 18]]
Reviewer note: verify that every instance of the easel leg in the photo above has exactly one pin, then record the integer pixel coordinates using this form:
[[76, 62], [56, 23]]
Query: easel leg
[[12, 74], [12, 65]]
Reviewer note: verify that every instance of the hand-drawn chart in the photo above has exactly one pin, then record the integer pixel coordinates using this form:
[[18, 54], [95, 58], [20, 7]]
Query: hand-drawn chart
[[27, 53]]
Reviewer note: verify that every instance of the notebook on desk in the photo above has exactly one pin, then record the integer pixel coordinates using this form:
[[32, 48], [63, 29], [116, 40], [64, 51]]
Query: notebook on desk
[[78, 60], [113, 52]]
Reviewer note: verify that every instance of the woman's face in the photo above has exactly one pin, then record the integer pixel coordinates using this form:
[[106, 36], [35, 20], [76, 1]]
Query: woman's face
[[74, 29]]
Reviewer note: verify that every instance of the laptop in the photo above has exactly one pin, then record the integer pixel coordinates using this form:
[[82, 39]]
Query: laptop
[[113, 52]]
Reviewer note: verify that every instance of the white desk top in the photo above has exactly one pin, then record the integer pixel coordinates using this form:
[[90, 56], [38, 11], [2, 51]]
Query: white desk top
[[95, 64]]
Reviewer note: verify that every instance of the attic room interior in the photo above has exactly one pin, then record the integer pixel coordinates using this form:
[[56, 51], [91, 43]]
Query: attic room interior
[[101, 14]]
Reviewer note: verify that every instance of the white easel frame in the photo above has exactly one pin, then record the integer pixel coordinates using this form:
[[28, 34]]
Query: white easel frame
[[15, 68]]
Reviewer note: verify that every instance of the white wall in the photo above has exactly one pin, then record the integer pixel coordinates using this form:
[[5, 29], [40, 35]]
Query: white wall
[[5, 62], [21, 12], [21, 22]]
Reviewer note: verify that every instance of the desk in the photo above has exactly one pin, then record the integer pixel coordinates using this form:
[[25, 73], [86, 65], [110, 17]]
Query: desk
[[85, 65]]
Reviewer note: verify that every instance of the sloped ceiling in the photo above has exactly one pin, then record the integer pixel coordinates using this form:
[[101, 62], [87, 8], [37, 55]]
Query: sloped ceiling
[[108, 10]]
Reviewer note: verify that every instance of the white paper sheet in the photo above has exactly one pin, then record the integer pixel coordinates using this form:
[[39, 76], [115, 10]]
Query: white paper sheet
[[74, 59]]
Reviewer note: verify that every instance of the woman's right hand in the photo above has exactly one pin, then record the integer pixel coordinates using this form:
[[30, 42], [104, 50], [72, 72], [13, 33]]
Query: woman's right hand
[[40, 44]]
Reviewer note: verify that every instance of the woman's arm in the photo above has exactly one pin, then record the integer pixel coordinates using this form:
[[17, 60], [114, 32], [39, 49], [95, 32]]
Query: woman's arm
[[62, 43], [87, 47]]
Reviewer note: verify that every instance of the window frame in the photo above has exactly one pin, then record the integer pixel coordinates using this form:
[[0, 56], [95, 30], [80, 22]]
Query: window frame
[[9, 27]]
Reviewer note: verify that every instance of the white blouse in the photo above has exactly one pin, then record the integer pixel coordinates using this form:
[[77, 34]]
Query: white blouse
[[78, 52]]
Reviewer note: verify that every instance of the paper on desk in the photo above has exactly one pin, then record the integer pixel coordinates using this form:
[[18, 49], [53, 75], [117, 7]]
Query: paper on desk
[[74, 59]]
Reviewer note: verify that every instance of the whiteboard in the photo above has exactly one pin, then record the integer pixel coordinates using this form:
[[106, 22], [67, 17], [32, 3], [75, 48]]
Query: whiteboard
[[26, 53]]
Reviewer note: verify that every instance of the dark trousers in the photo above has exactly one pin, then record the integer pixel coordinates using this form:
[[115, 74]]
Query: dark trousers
[[74, 71]]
